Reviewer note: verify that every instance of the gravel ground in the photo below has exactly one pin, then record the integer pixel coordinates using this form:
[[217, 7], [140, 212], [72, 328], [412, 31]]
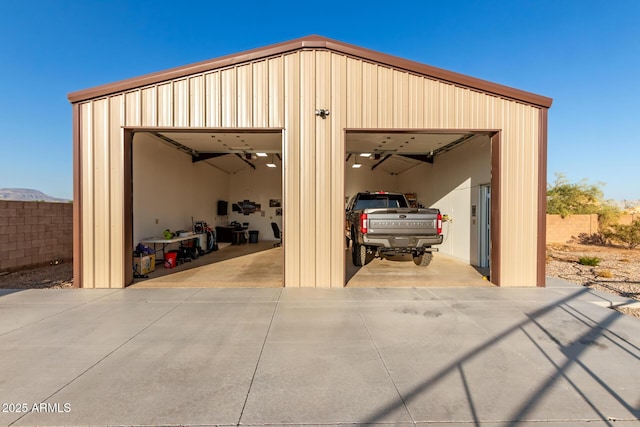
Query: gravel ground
[[618, 271], [52, 277]]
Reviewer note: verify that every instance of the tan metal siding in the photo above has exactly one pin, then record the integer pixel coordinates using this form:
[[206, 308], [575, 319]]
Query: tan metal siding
[[197, 102], [291, 180], [87, 178], [213, 100], [116, 185], [339, 108], [260, 101], [229, 101], [284, 91], [244, 92], [276, 92], [322, 203]]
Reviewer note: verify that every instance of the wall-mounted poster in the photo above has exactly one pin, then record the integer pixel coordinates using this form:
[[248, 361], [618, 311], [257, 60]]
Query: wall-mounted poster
[[275, 203], [248, 207]]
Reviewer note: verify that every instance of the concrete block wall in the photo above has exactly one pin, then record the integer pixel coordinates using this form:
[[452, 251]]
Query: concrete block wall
[[34, 234], [562, 230]]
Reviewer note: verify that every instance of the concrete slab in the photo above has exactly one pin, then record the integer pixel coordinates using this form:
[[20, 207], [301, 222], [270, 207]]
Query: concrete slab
[[400, 271], [483, 356]]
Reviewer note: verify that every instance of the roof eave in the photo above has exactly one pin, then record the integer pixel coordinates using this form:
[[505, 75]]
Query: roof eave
[[312, 42]]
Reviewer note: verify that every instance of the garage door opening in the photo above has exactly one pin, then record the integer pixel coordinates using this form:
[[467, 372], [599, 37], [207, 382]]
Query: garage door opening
[[447, 170], [208, 203]]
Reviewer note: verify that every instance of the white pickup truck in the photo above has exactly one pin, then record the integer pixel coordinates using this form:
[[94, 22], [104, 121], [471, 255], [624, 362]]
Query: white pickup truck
[[383, 223]]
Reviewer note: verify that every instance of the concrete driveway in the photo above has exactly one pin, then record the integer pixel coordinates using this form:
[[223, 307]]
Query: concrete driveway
[[403, 356]]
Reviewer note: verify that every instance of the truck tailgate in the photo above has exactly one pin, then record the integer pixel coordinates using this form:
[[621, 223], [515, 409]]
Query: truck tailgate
[[417, 222]]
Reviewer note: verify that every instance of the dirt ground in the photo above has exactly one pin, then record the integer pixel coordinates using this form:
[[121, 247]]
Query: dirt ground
[[618, 271]]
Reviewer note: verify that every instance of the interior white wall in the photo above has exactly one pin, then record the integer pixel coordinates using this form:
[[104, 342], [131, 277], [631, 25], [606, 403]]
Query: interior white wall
[[259, 186], [365, 179], [169, 188], [452, 184]]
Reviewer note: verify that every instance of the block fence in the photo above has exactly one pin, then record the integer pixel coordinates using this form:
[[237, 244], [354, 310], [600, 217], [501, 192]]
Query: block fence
[[562, 230], [34, 234]]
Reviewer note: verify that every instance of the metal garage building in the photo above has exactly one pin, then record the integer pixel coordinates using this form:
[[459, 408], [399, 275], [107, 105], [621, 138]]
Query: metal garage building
[[278, 90]]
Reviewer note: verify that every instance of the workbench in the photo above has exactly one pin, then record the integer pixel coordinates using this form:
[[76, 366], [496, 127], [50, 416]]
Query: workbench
[[166, 242]]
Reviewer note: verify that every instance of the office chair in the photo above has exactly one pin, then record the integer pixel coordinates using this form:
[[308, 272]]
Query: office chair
[[276, 233]]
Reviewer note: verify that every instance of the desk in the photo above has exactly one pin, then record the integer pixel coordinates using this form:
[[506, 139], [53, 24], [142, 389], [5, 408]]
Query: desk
[[165, 242]]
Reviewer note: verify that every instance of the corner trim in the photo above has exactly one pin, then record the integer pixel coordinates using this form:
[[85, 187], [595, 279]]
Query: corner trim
[[496, 214], [542, 197], [77, 198]]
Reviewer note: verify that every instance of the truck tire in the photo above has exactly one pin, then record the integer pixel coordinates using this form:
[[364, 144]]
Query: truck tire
[[359, 253], [424, 259]]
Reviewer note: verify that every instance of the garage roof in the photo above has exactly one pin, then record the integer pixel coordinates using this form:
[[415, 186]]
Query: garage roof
[[314, 42]]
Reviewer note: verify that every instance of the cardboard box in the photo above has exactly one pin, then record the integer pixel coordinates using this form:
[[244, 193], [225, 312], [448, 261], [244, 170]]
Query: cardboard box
[[144, 264]]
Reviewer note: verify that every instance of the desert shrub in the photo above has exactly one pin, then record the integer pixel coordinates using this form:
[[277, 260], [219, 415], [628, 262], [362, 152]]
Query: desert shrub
[[593, 239], [605, 274], [590, 261], [628, 235], [565, 198]]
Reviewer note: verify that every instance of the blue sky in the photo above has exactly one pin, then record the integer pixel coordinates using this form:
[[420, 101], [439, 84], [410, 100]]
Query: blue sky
[[584, 54]]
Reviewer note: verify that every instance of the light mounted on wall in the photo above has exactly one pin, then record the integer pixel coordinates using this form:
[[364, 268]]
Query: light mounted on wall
[[322, 113]]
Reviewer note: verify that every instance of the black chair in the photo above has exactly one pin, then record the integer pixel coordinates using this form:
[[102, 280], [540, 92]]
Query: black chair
[[276, 233]]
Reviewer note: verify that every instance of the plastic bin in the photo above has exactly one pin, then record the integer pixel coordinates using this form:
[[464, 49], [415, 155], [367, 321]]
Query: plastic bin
[[170, 259], [253, 236]]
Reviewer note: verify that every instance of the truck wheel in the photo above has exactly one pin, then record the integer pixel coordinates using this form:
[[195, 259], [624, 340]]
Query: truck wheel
[[424, 259], [359, 253]]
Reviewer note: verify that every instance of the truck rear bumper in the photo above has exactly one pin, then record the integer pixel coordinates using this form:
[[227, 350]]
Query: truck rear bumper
[[401, 242]]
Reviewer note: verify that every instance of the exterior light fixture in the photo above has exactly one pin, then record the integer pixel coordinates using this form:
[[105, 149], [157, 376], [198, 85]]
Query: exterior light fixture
[[322, 113]]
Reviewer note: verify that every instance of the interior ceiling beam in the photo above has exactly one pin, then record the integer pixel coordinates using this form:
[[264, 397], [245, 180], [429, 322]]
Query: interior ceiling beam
[[278, 156], [348, 157], [190, 151], [246, 161], [428, 158], [206, 156], [381, 161]]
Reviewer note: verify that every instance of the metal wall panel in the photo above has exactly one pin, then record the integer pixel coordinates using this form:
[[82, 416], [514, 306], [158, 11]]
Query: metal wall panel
[[307, 160], [415, 102], [385, 98], [87, 178], [291, 161], [102, 224], [116, 190], [164, 104], [244, 90], [197, 102], [354, 95], [323, 162], [149, 106], [133, 111], [400, 99], [213, 100], [228, 98], [368, 105], [276, 92], [181, 103], [339, 111], [260, 102]]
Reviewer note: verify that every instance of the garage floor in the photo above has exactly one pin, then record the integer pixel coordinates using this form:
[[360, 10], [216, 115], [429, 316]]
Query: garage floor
[[400, 271], [257, 265], [262, 266]]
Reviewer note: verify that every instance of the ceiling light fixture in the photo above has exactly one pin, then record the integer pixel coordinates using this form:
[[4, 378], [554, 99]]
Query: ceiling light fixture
[[271, 165], [365, 154], [355, 165], [261, 154]]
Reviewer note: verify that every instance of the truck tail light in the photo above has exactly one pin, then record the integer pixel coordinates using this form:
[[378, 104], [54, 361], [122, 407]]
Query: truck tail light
[[439, 224], [363, 223]]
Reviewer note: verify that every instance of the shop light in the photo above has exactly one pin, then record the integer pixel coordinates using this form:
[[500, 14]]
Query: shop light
[[365, 154], [271, 165], [261, 154]]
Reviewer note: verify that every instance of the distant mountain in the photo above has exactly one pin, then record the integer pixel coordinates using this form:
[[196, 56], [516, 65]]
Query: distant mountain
[[27, 195]]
